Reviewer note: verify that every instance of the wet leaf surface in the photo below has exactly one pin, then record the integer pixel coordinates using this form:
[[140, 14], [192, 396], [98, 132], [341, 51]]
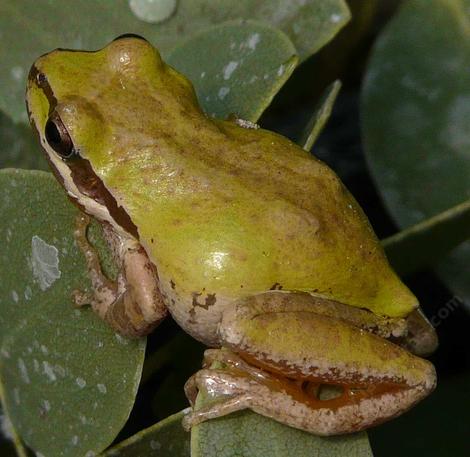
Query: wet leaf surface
[[166, 438], [443, 232], [237, 67], [20, 148], [69, 381], [416, 107], [49, 25]]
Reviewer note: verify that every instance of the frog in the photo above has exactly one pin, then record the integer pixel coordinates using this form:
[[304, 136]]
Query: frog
[[253, 245]]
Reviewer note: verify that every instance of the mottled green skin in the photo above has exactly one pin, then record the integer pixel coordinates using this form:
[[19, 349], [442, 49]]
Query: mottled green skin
[[219, 208]]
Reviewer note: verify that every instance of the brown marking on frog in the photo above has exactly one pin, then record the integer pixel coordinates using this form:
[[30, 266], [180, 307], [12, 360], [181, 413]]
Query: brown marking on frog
[[172, 284], [195, 296], [192, 316], [276, 286], [209, 301]]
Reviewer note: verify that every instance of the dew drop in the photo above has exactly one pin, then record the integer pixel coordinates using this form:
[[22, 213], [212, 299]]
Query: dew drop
[[153, 11], [155, 445], [28, 293], [23, 371], [253, 41], [229, 69], [17, 73], [45, 262], [48, 371], [46, 405], [102, 388], [335, 18], [223, 92]]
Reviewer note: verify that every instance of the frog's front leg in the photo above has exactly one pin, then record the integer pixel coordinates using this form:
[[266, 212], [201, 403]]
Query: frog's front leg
[[132, 304], [278, 352]]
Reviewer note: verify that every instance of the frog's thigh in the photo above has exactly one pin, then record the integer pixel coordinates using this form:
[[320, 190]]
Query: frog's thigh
[[132, 304], [311, 348]]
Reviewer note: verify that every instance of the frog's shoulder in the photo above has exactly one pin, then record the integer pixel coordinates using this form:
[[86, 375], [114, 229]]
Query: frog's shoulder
[[275, 158]]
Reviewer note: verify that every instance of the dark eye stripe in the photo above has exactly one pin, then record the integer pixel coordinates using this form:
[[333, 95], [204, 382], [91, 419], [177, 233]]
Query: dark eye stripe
[[89, 184]]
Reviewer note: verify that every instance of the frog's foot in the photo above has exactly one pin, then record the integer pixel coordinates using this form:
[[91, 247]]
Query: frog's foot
[[81, 298], [246, 124], [421, 337], [132, 304], [223, 358], [242, 122], [282, 353], [239, 385]]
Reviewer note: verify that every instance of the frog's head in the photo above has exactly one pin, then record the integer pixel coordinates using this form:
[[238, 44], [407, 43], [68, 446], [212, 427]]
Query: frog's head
[[88, 108]]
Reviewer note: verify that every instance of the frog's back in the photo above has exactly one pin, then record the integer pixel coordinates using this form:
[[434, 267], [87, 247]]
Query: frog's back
[[234, 211]]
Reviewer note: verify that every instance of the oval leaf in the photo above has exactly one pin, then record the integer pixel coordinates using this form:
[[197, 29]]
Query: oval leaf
[[443, 232], [416, 106], [166, 438], [69, 381], [236, 67], [19, 146], [32, 28]]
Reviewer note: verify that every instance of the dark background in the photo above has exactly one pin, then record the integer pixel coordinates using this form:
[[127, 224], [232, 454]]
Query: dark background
[[440, 425]]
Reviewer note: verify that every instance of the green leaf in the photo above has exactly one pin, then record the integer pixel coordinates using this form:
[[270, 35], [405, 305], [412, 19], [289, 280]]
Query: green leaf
[[320, 116], [416, 106], [425, 243], [19, 146], [309, 24], [236, 67], [10, 442], [32, 28], [166, 438], [246, 434], [69, 382]]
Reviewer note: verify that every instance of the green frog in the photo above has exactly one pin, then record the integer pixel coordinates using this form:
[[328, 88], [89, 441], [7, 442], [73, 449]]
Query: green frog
[[254, 246]]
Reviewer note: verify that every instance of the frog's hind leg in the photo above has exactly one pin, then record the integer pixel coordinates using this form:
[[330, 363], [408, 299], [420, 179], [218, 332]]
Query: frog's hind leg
[[132, 304], [278, 352], [236, 385]]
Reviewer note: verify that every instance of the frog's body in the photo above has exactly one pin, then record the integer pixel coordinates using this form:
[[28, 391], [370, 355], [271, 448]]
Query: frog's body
[[247, 217], [223, 213]]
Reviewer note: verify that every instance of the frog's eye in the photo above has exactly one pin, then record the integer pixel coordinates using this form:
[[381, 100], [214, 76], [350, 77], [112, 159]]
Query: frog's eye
[[41, 79], [58, 138]]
